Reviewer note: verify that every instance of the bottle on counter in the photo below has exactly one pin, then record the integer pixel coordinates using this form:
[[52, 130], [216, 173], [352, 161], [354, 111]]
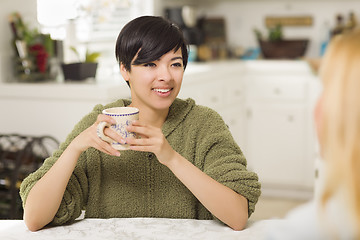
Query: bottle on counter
[[339, 26], [352, 22]]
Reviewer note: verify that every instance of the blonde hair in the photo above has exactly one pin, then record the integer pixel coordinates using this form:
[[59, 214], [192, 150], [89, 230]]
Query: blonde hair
[[339, 134]]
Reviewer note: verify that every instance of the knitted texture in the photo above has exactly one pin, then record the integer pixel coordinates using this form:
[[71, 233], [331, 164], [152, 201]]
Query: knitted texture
[[136, 184]]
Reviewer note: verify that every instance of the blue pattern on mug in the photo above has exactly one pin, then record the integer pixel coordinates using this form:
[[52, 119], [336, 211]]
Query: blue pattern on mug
[[120, 128]]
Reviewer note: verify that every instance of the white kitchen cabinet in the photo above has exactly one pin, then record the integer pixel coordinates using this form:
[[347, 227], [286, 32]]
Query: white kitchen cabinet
[[52, 108], [275, 143], [208, 93], [220, 87], [278, 131]]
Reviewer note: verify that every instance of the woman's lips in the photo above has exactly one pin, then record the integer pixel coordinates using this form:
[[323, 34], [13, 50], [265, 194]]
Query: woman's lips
[[163, 92]]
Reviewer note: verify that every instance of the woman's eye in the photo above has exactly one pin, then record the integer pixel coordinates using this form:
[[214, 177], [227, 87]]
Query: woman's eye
[[177, 64], [149, 65]]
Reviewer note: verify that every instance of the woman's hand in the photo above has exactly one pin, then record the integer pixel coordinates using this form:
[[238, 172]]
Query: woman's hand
[[89, 138], [227, 205], [152, 140]]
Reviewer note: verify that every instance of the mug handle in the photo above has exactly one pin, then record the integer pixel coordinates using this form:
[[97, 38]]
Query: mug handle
[[100, 132]]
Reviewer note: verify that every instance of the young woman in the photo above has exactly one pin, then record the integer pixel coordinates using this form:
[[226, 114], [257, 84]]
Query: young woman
[[185, 165], [336, 214]]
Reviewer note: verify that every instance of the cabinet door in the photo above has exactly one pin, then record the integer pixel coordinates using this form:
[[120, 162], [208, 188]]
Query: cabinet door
[[275, 146], [210, 93], [54, 118]]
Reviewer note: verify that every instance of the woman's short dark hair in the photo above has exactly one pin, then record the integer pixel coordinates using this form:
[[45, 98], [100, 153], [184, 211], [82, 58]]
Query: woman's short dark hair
[[153, 36]]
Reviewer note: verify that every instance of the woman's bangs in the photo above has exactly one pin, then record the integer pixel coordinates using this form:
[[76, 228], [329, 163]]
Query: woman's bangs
[[160, 44]]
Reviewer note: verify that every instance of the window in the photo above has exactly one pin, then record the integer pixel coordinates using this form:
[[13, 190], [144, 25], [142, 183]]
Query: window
[[90, 24]]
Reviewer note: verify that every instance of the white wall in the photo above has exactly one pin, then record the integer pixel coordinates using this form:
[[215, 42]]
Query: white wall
[[27, 8], [242, 16]]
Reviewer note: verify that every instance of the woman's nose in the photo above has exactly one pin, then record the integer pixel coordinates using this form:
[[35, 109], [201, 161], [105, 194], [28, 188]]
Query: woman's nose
[[164, 73]]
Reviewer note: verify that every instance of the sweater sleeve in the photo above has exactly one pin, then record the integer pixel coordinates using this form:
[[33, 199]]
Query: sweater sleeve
[[75, 196], [224, 160]]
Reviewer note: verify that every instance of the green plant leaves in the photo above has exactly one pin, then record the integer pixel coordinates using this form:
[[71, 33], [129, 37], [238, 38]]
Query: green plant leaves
[[91, 56]]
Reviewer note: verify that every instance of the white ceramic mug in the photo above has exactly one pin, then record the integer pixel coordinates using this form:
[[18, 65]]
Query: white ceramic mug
[[123, 117]]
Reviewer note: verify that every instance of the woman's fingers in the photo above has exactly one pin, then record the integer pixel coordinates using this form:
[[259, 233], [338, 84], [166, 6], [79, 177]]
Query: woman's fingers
[[152, 140], [143, 130], [105, 147], [101, 144], [142, 141], [105, 118], [111, 133], [108, 149], [141, 148], [89, 137], [108, 131]]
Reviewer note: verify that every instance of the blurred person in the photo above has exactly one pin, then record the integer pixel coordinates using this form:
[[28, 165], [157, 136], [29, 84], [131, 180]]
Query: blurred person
[[335, 211]]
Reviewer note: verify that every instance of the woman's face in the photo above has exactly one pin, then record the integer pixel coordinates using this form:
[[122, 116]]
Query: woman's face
[[156, 84]]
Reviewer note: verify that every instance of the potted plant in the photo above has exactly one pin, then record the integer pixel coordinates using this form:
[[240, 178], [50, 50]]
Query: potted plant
[[83, 69], [276, 47], [33, 51]]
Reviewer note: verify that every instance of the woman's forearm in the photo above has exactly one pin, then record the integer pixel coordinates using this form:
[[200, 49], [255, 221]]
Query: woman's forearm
[[227, 205], [45, 197]]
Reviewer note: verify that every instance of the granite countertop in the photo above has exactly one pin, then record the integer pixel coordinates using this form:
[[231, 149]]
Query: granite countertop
[[135, 228]]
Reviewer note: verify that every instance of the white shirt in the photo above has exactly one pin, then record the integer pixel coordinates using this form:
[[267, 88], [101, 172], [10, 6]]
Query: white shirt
[[308, 222]]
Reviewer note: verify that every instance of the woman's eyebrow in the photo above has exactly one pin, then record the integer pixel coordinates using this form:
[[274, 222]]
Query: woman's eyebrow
[[172, 59], [175, 58]]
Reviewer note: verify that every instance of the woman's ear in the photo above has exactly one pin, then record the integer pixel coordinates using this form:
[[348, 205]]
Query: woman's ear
[[124, 72]]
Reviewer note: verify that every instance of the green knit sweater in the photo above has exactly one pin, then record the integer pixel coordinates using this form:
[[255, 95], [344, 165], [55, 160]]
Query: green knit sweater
[[137, 185]]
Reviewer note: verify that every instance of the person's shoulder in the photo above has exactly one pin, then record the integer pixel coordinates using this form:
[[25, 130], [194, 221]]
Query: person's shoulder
[[206, 112], [195, 113]]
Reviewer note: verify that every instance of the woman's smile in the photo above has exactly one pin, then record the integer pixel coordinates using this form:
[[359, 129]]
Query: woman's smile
[[162, 92]]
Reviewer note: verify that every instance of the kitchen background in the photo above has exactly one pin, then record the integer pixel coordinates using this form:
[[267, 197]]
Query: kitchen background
[[241, 17], [267, 103]]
